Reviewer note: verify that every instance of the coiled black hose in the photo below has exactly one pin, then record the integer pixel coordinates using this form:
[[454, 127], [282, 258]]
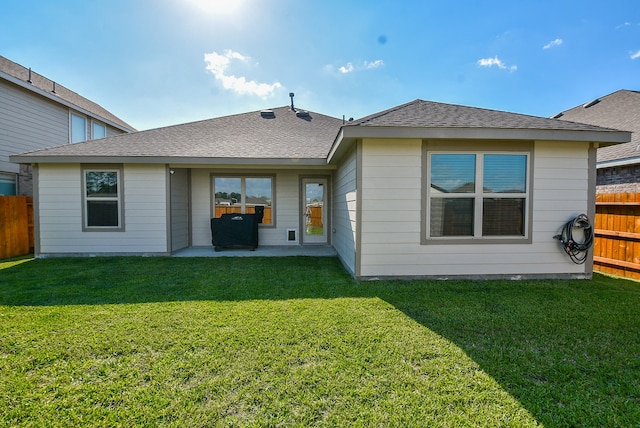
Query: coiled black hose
[[577, 250]]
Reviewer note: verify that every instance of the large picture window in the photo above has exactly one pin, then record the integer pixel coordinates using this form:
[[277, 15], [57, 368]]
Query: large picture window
[[477, 195], [102, 198], [239, 194]]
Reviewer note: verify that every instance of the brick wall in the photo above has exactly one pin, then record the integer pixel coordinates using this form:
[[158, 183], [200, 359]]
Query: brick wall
[[619, 179], [25, 181]]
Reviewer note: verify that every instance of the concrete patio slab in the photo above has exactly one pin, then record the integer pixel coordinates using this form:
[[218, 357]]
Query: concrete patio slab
[[261, 251]]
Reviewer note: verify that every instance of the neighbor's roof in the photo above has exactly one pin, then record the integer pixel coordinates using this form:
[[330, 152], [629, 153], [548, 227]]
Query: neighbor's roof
[[427, 119], [41, 85], [620, 110], [279, 135]]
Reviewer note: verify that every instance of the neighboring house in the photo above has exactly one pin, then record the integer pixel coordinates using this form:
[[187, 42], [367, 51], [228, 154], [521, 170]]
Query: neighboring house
[[424, 189], [35, 113], [618, 166]]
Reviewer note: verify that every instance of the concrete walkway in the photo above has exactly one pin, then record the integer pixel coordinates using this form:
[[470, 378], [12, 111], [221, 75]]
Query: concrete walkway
[[261, 251]]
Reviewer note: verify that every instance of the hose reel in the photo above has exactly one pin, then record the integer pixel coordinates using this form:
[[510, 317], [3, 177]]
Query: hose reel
[[576, 250]]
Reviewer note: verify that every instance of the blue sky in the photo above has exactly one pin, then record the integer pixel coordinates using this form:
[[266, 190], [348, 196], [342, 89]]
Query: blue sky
[[161, 62]]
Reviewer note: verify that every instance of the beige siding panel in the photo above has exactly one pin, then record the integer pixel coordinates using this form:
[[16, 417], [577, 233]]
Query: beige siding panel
[[201, 207], [61, 220], [344, 211], [179, 209], [392, 216]]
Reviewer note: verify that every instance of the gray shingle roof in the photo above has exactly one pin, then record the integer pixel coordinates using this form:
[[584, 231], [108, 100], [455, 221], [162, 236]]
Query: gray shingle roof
[[428, 114], [620, 110], [46, 85], [286, 135]]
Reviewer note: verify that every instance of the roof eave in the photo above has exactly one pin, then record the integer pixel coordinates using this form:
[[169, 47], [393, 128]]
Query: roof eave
[[172, 160], [352, 133]]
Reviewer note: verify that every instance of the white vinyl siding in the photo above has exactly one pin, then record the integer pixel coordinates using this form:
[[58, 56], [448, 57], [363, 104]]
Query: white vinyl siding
[[344, 211], [28, 122], [391, 216], [60, 212]]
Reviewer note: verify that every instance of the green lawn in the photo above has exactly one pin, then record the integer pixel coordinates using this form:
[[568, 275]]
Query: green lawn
[[296, 342]]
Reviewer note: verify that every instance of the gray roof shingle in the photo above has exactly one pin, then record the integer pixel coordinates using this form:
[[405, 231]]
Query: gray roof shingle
[[428, 114], [251, 137], [620, 110], [46, 85], [286, 135]]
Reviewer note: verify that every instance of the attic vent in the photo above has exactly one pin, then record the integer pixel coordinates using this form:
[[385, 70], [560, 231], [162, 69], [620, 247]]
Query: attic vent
[[591, 103], [302, 113], [267, 114], [557, 116]]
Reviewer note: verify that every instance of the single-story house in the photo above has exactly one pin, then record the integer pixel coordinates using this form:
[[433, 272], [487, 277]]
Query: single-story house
[[422, 190]]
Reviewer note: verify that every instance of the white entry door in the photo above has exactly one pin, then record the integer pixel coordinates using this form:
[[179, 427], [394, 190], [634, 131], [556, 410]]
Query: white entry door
[[314, 211]]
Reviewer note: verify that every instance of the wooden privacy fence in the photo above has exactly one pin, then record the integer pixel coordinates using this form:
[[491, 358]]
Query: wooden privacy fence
[[616, 248], [16, 226]]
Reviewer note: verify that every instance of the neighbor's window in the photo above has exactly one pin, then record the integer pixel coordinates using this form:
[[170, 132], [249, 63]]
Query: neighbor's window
[[103, 198], [242, 195], [98, 130], [477, 195], [8, 184], [78, 128]]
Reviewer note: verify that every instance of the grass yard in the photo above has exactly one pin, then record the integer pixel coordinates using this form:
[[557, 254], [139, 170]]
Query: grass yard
[[296, 342]]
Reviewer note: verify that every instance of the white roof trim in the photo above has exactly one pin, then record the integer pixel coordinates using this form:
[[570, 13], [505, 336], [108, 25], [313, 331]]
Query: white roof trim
[[618, 162]]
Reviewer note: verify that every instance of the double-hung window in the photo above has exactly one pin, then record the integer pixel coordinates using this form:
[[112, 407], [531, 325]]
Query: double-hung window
[[242, 194], [102, 198], [477, 195]]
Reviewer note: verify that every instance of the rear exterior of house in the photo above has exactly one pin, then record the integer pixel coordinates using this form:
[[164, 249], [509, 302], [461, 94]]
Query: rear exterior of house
[[417, 191], [35, 113]]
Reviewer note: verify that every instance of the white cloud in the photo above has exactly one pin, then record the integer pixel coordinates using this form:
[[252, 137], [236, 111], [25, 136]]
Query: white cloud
[[626, 24], [375, 64], [552, 44], [490, 62], [217, 64], [350, 68], [635, 55], [347, 69]]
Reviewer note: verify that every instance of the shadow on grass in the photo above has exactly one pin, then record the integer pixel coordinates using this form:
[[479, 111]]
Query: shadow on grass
[[568, 351]]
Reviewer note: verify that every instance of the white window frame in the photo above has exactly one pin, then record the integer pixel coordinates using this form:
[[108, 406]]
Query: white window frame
[[478, 196], [243, 193], [119, 198]]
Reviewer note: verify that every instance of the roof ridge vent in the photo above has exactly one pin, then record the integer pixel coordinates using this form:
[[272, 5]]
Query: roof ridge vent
[[267, 114], [591, 103]]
